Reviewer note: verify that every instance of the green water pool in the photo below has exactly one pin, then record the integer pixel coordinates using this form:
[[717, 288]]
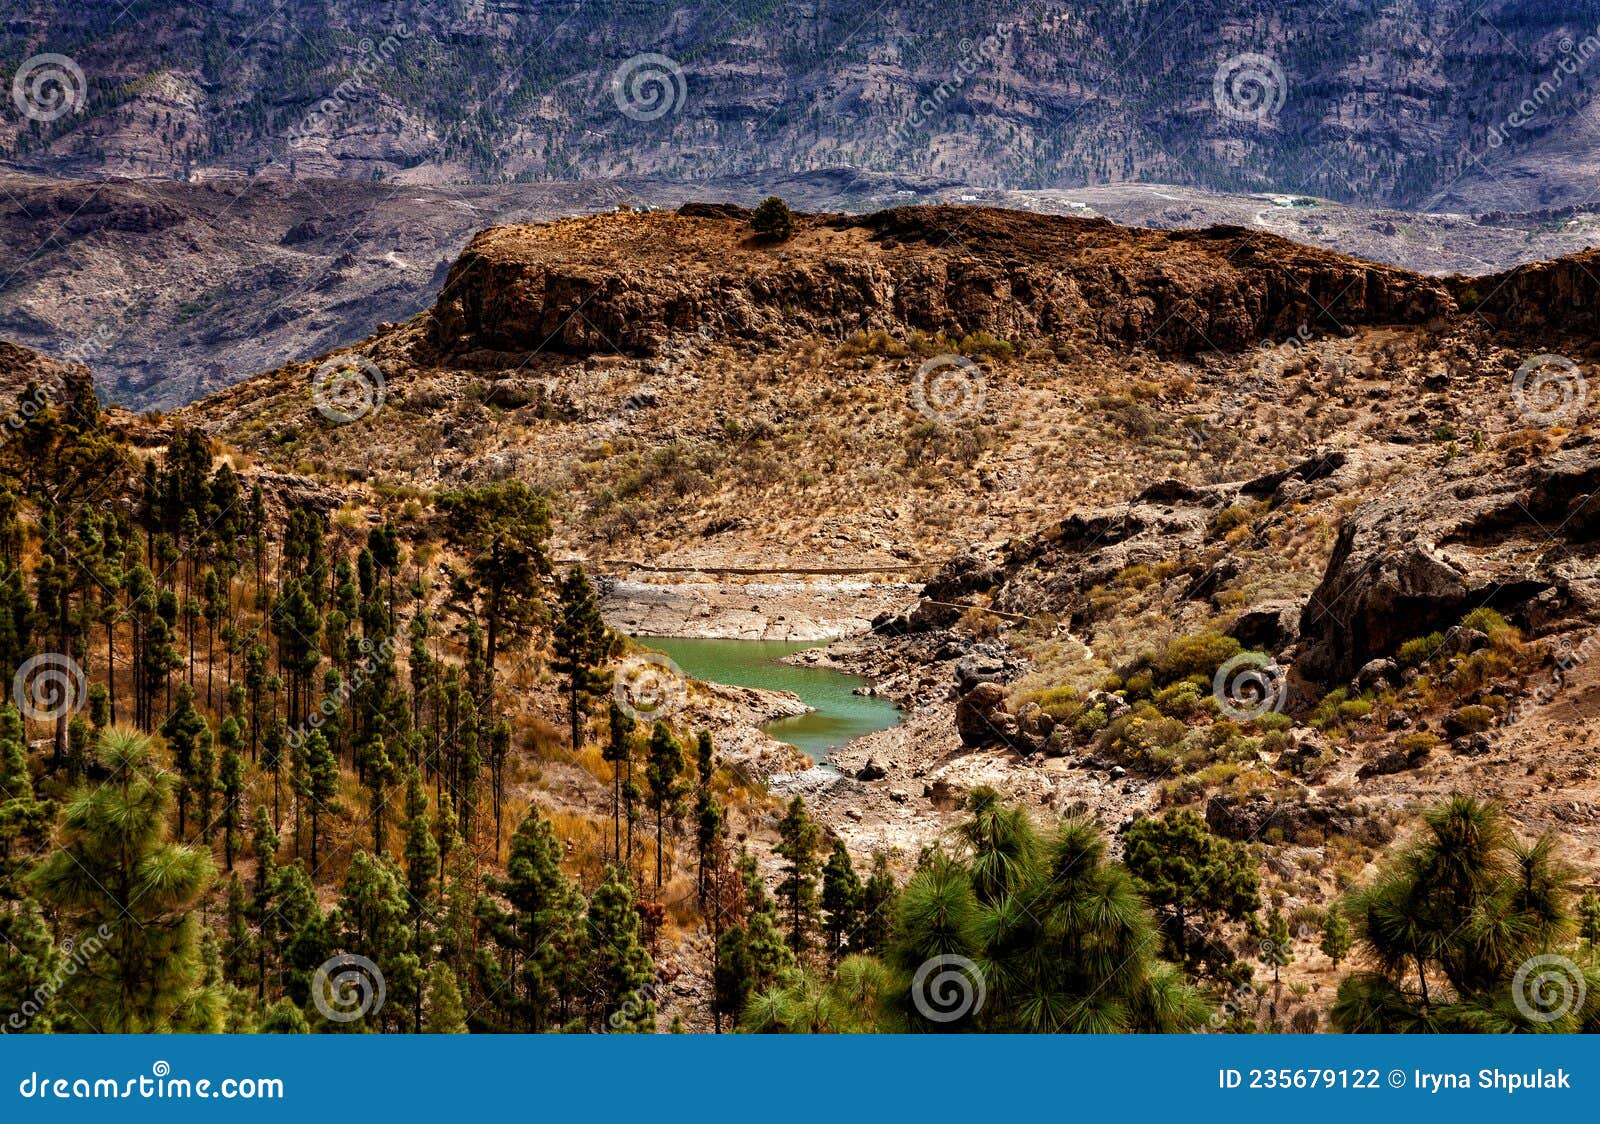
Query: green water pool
[[838, 714]]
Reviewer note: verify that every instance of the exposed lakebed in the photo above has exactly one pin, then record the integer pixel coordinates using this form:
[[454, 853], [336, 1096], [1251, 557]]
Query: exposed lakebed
[[837, 715]]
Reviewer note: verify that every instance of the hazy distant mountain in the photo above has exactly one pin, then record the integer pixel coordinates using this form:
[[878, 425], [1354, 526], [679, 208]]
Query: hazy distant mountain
[[1438, 103]]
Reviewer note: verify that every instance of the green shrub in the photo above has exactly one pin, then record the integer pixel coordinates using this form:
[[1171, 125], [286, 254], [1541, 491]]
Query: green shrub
[[1181, 700], [1417, 743], [1488, 622], [1415, 653], [1199, 655], [1475, 719], [773, 219], [1090, 721], [1354, 710]]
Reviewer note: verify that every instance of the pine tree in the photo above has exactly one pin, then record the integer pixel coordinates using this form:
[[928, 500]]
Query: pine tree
[[322, 784], [117, 873], [264, 846], [422, 854], [663, 774], [231, 781], [376, 924], [619, 753], [503, 529], [30, 965], [581, 640], [622, 966], [283, 1017], [183, 730], [1336, 939], [734, 977], [708, 816], [380, 770], [798, 841], [1439, 964], [1276, 953], [447, 1014], [841, 897], [1184, 869], [24, 819], [535, 891], [772, 962], [29, 957], [877, 908]]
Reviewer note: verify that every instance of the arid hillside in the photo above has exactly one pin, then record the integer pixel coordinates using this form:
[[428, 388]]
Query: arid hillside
[[1127, 460]]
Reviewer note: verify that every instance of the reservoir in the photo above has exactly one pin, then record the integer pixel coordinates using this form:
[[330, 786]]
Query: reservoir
[[838, 714]]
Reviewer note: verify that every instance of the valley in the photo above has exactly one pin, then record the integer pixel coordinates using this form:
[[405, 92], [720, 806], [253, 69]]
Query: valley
[[1107, 529]]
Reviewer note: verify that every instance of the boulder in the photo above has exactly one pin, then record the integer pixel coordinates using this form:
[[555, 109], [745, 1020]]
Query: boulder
[[981, 717], [1375, 675], [1266, 627], [1371, 600], [871, 771], [1397, 760]]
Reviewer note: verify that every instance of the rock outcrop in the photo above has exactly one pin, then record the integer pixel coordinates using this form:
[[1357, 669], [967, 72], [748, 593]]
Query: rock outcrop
[[1521, 540], [632, 283]]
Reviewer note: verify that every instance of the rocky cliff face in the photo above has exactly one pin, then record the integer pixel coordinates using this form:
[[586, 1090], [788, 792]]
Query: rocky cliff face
[[629, 284]]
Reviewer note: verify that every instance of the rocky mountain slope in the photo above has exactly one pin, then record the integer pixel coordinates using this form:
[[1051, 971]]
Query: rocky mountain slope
[[1074, 434], [172, 290], [1453, 104]]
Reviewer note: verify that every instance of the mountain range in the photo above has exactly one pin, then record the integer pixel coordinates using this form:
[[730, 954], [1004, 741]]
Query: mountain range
[[1437, 104]]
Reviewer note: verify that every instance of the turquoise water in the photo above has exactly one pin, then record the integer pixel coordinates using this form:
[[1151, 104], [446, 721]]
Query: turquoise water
[[837, 715]]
